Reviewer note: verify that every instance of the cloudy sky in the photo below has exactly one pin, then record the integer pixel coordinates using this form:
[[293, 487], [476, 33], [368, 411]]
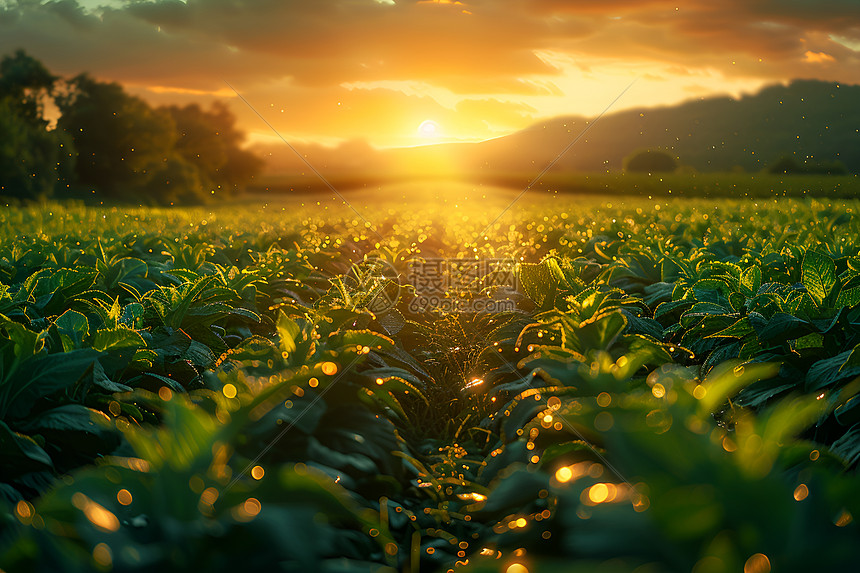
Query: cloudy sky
[[398, 72]]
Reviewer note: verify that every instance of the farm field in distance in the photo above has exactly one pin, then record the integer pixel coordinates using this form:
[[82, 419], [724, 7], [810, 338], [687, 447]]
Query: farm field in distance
[[434, 377]]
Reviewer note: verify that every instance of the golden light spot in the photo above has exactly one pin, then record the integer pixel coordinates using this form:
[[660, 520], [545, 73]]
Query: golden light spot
[[801, 492], [813, 455], [123, 496], [380, 381], [24, 510], [728, 444], [535, 459], [114, 408], [252, 506], [313, 382], [521, 522], [658, 390], [391, 548], [257, 472], [196, 483], [430, 551], [103, 555], [100, 517], [517, 568], [595, 470], [604, 399], [229, 391], [329, 368], [603, 421], [563, 474], [844, 518], [699, 392], [209, 496], [164, 393], [757, 563], [640, 502], [598, 493]]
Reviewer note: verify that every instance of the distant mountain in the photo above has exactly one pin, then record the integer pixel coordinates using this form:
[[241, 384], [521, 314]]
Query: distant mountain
[[811, 121]]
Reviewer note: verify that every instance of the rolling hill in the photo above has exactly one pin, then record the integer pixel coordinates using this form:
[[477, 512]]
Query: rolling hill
[[812, 121]]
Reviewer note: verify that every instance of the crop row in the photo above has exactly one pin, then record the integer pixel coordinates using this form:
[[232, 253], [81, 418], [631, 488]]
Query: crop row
[[674, 390]]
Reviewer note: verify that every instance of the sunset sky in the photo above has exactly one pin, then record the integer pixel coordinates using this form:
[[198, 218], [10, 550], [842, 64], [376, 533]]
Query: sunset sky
[[398, 72]]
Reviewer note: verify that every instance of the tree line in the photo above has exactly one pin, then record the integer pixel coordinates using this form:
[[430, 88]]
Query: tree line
[[111, 144]]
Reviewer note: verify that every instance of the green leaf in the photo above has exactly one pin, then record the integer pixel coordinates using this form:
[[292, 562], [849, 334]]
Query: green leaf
[[848, 297], [68, 417], [600, 333], [365, 338], [26, 342], [199, 354], [397, 379], [739, 329], [853, 358], [120, 338], [540, 281], [830, 371], [20, 454], [818, 275], [289, 331], [42, 376], [848, 446], [781, 327], [73, 328], [131, 314], [725, 380], [751, 280]]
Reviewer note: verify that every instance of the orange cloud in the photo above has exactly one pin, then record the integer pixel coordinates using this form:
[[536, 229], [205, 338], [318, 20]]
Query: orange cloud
[[500, 67], [817, 57]]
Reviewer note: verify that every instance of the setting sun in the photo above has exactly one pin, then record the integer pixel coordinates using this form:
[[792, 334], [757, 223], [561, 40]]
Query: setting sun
[[428, 128]]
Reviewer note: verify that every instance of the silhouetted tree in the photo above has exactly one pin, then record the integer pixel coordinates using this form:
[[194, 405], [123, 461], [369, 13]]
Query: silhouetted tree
[[650, 161], [27, 84], [33, 159], [122, 143], [790, 165], [786, 165], [210, 141]]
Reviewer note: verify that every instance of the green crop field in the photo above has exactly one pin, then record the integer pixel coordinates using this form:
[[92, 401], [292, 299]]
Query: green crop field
[[432, 381]]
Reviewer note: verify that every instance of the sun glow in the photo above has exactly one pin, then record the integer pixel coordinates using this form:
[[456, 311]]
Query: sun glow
[[428, 128]]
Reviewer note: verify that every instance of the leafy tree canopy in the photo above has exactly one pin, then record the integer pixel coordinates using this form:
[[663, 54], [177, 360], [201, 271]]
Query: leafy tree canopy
[[209, 140], [650, 161], [27, 83], [111, 142]]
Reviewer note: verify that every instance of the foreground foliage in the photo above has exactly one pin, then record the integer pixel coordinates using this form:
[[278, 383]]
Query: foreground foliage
[[674, 390]]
